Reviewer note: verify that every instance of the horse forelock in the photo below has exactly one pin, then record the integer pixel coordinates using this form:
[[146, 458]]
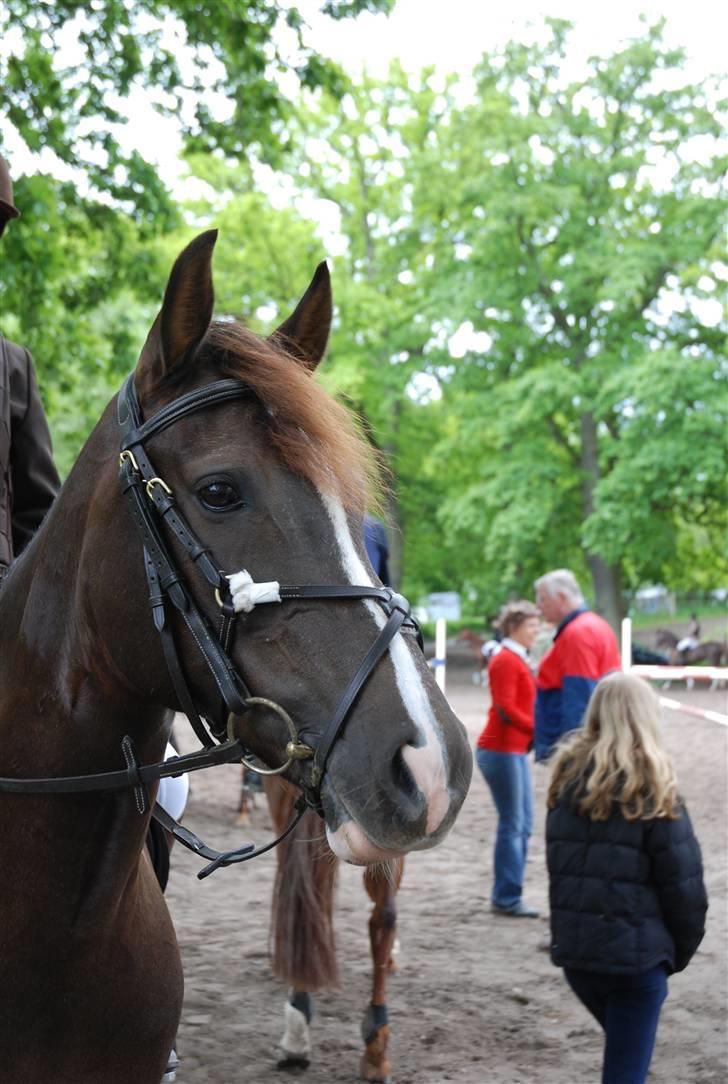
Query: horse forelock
[[314, 435]]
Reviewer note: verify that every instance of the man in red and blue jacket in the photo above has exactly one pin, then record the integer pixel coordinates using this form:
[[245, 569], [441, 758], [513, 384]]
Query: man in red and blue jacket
[[584, 649]]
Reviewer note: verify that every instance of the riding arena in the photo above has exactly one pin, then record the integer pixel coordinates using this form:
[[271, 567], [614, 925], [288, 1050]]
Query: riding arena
[[223, 599]]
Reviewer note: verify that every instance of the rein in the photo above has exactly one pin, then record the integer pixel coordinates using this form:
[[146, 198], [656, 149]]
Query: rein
[[152, 504]]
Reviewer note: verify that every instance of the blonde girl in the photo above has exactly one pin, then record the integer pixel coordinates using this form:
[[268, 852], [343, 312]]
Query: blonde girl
[[626, 888]]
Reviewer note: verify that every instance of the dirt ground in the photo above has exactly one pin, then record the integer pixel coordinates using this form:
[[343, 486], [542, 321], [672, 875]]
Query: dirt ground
[[476, 998]]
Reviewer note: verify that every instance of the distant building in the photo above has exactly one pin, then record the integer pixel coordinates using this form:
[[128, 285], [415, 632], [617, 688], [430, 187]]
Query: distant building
[[654, 600], [442, 604]]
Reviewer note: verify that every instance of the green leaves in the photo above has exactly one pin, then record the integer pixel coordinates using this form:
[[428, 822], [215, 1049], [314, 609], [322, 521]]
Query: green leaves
[[72, 66], [79, 288]]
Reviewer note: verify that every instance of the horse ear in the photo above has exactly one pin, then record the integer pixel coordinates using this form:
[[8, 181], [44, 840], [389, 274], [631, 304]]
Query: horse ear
[[306, 331], [186, 311]]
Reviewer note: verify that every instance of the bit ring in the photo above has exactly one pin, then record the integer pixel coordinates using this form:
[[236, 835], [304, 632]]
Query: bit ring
[[295, 749]]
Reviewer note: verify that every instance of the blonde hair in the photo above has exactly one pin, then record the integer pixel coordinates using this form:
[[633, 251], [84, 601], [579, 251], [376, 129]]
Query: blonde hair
[[514, 614], [617, 756]]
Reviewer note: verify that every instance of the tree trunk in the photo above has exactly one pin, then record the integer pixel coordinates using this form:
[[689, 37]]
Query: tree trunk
[[607, 583], [606, 579]]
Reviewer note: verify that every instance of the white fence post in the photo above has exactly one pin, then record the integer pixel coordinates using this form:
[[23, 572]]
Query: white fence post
[[626, 651], [440, 651]]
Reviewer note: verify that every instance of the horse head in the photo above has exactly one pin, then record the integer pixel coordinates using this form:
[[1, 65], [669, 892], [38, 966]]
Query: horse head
[[274, 482], [666, 638]]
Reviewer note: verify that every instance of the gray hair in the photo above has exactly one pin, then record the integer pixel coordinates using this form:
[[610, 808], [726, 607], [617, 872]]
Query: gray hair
[[561, 581]]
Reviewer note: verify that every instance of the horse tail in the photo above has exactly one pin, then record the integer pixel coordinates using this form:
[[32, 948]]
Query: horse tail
[[303, 946]]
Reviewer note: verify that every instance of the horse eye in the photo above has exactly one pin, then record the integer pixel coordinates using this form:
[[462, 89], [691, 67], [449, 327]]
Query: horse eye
[[219, 496]]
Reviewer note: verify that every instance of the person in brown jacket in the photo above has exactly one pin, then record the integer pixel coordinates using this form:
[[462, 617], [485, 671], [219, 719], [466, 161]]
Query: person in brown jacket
[[29, 480]]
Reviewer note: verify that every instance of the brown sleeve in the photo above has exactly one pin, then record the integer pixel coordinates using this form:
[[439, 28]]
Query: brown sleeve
[[33, 477]]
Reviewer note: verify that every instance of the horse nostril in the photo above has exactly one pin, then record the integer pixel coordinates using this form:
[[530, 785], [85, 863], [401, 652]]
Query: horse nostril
[[404, 782]]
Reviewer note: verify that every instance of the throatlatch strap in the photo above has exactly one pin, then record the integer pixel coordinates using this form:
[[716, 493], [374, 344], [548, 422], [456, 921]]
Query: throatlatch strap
[[135, 775]]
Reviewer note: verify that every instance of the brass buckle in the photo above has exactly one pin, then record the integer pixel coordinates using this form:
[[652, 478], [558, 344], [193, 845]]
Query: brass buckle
[[126, 454], [295, 750], [159, 482]]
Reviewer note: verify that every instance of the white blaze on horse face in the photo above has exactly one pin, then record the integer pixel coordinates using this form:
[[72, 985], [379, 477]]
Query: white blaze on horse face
[[426, 763]]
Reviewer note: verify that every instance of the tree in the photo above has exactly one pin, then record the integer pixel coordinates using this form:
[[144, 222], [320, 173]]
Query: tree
[[358, 156], [68, 68], [589, 269], [80, 278], [265, 256], [79, 288]]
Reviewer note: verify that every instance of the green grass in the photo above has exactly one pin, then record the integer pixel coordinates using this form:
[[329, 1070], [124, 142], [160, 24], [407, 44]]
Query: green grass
[[477, 624], [714, 613]]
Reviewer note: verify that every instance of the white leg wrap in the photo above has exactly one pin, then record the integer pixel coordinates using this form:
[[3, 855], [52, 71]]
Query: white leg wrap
[[296, 1041]]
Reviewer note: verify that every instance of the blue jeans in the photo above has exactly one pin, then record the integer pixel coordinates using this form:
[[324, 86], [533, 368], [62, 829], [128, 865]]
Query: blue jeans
[[509, 778], [628, 1008]]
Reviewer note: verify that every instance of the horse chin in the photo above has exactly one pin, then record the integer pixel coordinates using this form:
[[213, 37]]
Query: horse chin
[[345, 836], [351, 844]]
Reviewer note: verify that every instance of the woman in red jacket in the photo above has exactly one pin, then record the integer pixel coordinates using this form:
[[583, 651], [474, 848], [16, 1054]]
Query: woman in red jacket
[[502, 754]]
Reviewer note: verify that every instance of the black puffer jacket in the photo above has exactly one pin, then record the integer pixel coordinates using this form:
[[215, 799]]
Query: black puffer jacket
[[625, 895]]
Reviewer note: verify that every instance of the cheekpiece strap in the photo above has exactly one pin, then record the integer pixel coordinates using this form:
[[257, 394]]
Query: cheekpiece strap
[[151, 500]]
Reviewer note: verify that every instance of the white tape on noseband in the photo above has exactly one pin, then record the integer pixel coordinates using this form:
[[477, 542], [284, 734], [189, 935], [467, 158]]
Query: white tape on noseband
[[246, 594]]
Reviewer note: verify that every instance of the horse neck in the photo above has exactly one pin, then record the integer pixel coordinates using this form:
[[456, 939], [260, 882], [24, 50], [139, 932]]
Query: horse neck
[[65, 706], [51, 633]]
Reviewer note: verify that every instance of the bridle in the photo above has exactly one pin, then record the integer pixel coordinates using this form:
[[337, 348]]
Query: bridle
[[153, 504]]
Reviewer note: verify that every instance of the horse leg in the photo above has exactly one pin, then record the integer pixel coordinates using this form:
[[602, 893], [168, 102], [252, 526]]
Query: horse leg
[[247, 801], [381, 883], [296, 1042]]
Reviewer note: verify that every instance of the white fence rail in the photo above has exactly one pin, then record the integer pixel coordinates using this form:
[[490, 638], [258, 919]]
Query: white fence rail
[[674, 673], [652, 673]]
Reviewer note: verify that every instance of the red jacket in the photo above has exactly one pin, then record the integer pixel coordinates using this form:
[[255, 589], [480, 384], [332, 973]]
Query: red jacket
[[509, 728], [584, 650]]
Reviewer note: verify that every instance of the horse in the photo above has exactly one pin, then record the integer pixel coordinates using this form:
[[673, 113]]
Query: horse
[[666, 640], [119, 613], [302, 934], [711, 652]]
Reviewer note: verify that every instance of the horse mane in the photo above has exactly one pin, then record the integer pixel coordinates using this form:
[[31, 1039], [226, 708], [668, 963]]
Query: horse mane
[[315, 436]]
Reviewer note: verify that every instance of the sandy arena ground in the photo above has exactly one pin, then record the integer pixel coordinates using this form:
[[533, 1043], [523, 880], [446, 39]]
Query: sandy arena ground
[[476, 998]]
